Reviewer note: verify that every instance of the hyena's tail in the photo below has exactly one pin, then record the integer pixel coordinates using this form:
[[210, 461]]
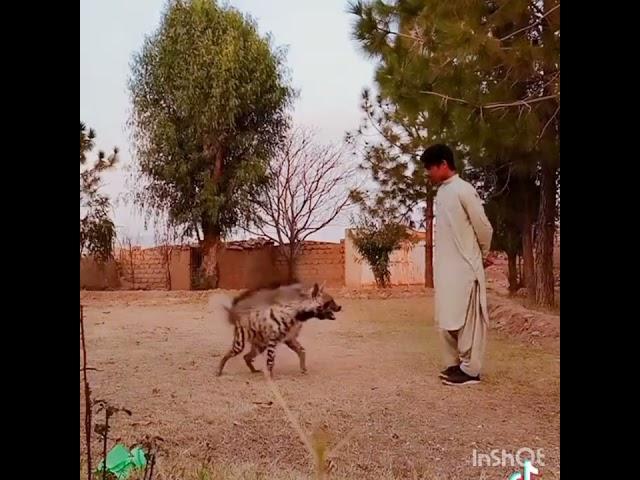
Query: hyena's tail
[[220, 306]]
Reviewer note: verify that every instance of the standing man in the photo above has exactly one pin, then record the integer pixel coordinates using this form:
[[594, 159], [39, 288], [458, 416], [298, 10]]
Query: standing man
[[462, 241]]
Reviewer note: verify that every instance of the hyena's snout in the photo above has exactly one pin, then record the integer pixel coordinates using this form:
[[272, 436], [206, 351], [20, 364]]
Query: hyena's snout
[[329, 308]]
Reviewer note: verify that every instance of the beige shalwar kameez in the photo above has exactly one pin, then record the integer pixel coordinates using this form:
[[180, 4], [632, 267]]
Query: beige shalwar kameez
[[462, 241]]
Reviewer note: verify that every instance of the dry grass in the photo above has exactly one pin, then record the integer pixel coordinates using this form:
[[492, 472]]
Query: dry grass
[[372, 372], [240, 471]]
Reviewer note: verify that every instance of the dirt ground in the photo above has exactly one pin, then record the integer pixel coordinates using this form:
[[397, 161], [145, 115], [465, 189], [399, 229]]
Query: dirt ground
[[372, 373]]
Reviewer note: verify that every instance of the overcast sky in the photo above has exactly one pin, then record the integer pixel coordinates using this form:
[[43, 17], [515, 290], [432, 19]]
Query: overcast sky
[[326, 67]]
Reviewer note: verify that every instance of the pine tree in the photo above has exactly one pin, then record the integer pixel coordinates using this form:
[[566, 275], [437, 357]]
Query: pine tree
[[391, 144], [97, 230], [510, 211], [485, 73]]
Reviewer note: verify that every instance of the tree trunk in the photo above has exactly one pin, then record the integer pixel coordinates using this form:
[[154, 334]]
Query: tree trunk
[[166, 258], [291, 270], [513, 273], [291, 263], [209, 269], [546, 224], [520, 273], [527, 251], [545, 232], [210, 229], [428, 257]]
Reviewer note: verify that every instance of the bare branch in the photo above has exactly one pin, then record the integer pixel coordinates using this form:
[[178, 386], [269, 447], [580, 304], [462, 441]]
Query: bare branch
[[547, 124], [309, 188], [530, 26], [527, 102]]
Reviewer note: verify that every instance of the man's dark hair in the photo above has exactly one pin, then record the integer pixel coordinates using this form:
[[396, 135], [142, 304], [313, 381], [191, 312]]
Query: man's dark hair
[[436, 155]]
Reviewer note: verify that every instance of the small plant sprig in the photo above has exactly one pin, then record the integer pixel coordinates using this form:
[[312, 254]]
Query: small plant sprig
[[316, 443], [102, 429]]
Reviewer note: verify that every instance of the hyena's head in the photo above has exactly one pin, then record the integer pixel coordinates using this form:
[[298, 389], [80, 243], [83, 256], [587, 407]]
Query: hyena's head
[[321, 305]]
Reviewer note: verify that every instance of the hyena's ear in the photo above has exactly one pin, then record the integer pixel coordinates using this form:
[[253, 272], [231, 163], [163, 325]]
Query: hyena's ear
[[315, 291], [322, 285]]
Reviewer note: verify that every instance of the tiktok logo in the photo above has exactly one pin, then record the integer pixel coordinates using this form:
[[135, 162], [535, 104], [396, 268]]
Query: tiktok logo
[[529, 470]]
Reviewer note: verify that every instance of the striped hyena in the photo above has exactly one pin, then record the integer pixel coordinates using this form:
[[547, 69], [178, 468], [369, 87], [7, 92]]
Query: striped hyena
[[265, 325]]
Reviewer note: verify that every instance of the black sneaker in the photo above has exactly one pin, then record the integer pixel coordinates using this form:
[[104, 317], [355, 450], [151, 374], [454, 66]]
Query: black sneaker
[[460, 378], [449, 371]]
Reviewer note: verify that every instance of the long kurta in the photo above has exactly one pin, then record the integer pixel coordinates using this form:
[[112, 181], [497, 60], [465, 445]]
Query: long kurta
[[462, 239]]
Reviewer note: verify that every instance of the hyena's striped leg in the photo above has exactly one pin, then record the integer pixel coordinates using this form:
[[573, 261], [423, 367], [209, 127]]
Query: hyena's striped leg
[[299, 349], [238, 346], [253, 353], [271, 356]]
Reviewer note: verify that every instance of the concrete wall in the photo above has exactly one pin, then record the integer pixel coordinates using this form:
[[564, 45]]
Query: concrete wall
[[252, 268], [146, 269], [169, 267], [180, 268], [98, 276], [337, 264], [317, 262], [157, 268], [407, 264]]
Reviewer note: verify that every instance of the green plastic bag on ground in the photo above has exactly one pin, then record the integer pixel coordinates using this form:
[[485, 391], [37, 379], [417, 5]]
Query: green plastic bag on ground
[[121, 462]]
